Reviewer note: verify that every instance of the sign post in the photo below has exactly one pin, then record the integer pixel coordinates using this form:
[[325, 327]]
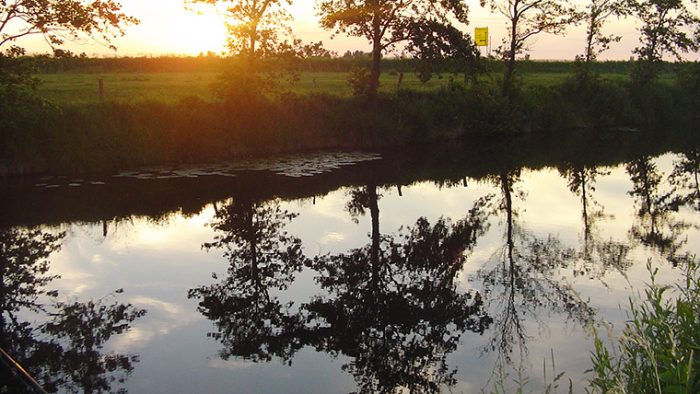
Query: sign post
[[481, 37]]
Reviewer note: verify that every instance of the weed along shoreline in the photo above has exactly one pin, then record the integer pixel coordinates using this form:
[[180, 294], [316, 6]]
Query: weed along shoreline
[[86, 137]]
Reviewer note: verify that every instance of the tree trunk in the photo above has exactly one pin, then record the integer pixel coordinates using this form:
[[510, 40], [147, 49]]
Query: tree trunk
[[376, 56], [510, 66], [590, 36]]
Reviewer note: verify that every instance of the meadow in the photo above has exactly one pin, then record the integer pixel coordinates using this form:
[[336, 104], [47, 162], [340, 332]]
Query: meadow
[[170, 87]]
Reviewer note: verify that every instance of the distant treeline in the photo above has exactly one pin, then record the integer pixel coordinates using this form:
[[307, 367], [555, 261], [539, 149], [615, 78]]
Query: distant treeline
[[212, 63]]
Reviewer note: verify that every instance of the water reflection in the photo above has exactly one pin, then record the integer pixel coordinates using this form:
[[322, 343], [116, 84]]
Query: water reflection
[[521, 281], [65, 351], [393, 306], [406, 298], [685, 177], [262, 256], [656, 225], [597, 255]]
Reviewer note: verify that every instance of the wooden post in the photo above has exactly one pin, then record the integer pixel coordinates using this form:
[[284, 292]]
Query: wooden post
[[101, 88], [314, 82], [398, 85]]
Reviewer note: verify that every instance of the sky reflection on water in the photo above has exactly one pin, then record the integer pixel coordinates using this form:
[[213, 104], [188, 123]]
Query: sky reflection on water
[[542, 280]]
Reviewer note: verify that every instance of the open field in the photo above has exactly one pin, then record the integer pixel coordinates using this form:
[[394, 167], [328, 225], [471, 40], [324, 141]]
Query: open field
[[170, 87], [73, 88]]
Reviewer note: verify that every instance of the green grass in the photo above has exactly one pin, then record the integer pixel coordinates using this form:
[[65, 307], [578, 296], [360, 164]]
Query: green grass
[[69, 88], [72, 88]]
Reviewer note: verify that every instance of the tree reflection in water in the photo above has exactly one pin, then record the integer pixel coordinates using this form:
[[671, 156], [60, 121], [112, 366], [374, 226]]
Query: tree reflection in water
[[686, 178], [597, 256], [521, 281], [251, 322], [65, 351], [655, 225], [393, 305]]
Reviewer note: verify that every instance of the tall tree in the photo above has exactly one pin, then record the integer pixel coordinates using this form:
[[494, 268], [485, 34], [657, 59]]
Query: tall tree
[[258, 35], [667, 27], [597, 14], [527, 18], [388, 23], [255, 26]]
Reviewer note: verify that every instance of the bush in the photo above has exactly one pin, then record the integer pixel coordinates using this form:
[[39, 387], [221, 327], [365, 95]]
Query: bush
[[358, 79]]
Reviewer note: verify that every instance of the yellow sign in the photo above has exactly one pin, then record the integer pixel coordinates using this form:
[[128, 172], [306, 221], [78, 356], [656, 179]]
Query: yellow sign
[[481, 36]]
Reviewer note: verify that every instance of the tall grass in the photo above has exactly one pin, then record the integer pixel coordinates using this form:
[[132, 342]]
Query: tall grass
[[659, 349]]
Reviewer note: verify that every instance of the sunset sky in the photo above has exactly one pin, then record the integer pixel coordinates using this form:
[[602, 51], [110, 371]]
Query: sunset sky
[[168, 28]]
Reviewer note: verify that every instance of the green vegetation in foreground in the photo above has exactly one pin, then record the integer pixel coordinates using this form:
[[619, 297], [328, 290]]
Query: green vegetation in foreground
[[659, 348], [169, 87], [656, 352]]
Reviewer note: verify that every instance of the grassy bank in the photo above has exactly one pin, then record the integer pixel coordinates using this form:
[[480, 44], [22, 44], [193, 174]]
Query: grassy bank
[[175, 118]]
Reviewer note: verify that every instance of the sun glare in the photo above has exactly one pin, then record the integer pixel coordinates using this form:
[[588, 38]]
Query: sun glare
[[167, 27], [207, 33]]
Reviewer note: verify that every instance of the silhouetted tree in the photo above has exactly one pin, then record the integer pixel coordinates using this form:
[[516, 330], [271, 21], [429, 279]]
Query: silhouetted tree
[[597, 13], [667, 27], [251, 322], [527, 18], [58, 19], [426, 26], [260, 38]]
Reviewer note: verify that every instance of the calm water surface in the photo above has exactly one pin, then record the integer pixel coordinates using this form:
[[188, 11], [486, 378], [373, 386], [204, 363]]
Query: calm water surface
[[438, 270]]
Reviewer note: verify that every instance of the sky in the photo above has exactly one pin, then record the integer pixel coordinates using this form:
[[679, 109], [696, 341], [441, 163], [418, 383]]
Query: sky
[[167, 28]]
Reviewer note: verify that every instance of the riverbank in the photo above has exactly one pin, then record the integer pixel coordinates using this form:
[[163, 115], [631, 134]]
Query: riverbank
[[104, 136]]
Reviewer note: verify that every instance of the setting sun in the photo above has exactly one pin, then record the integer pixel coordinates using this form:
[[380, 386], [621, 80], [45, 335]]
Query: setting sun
[[167, 27]]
